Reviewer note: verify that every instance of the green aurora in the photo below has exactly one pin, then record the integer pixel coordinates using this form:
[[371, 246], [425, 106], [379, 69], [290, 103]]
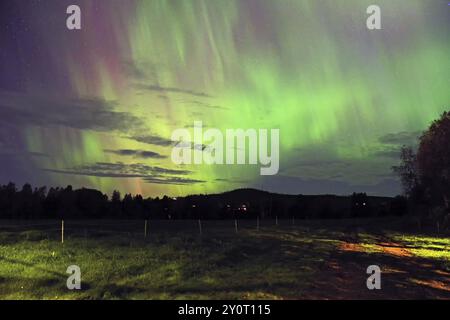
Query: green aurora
[[96, 107]]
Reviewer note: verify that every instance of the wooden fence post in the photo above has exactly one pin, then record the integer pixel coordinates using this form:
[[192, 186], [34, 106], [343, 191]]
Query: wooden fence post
[[145, 229], [200, 226], [62, 231]]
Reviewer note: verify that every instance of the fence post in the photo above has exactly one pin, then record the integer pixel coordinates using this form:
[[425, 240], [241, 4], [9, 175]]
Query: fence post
[[236, 225], [145, 229], [62, 231], [200, 226]]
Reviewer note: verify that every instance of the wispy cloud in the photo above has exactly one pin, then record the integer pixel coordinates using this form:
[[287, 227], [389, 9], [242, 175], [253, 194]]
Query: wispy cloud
[[388, 152], [157, 88], [233, 180], [89, 114], [149, 174], [152, 139], [136, 153], [22, 153], [206, 105], [401, 138], [172, 180]]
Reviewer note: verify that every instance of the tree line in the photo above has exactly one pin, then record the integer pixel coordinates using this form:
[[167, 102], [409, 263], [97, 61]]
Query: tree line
[[69, 203]]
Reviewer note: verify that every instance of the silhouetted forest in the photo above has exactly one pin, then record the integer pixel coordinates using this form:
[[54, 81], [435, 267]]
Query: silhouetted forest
[[69, 203]]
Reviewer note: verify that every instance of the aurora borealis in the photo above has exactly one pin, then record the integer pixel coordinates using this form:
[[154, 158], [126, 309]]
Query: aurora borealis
[[96, 107]]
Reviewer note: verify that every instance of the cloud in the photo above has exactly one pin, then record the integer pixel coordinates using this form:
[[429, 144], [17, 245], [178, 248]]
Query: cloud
[[152, 139], [401, 138], [194, 146], [139, 70], [296, 185], [139, 169], [94, 173], [157, 88], [233, 180], [206, 105], [21, 153], [90, 114], [173, 180], [392, 143], [164, 142], [133, 71], [321, 163], [136, 153], [149, 174], [392, 152]]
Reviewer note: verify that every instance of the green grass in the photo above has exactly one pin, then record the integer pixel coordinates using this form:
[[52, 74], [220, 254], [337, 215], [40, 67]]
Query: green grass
[[435, 248], [269, 264], [175, 262]]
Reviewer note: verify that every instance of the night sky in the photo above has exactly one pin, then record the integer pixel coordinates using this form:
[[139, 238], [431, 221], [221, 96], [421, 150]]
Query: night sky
[[96, 107]]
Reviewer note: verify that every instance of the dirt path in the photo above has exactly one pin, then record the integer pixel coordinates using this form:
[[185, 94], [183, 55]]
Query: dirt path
[[404, 276]]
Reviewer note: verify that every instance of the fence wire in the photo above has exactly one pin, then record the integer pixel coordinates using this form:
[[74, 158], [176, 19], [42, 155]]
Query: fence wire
[[136, 228]]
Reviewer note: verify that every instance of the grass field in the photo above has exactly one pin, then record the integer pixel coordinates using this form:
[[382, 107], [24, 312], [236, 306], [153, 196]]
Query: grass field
[[309, 260]]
